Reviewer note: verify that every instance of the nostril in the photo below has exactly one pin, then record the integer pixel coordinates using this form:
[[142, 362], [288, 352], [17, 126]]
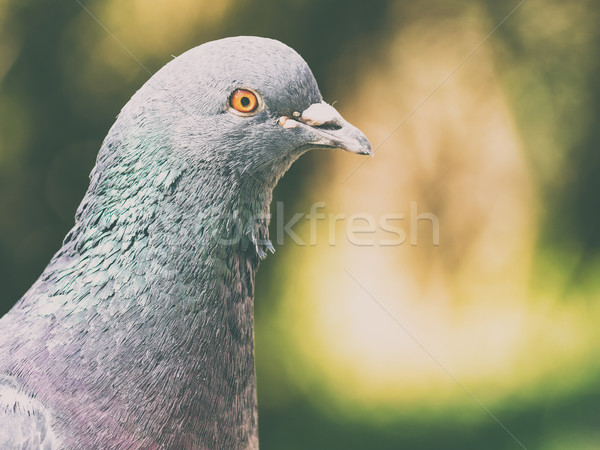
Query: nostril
[[322, 116]]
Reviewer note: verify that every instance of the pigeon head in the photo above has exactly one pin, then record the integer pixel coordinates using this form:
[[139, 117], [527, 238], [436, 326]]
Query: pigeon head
[[213, 130], [245, 105]]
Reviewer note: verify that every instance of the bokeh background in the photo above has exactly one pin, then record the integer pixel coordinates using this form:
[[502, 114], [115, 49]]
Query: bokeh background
[[383, 347]]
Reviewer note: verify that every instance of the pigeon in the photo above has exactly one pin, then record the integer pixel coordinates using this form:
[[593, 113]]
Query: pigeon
[[139, 332]]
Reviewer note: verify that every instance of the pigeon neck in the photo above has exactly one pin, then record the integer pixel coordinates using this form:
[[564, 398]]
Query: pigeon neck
[[170, 262]]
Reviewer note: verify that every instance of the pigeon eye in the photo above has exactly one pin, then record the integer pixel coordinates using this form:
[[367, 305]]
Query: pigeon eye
[[244, 101]]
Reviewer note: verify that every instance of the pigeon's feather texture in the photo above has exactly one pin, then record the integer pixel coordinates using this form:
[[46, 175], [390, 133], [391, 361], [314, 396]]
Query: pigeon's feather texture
[[139, 332]]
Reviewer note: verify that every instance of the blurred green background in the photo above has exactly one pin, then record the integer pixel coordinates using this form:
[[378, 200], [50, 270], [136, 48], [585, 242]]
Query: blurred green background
[[358, 347]]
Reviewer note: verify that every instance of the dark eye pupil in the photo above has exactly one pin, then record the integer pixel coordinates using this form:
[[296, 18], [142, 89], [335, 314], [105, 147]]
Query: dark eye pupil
[[245, 101]]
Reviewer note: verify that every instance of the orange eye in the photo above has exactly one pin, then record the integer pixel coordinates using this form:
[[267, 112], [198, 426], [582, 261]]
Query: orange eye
[[243, 100]]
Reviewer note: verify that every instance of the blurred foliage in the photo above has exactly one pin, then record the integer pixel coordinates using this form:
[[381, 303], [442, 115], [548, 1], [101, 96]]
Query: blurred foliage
[[500, 143]]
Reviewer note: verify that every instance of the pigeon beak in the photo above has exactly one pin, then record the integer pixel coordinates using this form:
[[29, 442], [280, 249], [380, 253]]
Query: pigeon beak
[[329, 129]]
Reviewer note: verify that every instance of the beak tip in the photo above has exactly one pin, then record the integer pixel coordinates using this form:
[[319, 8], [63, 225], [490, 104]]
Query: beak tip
[[355, 141], [364, 147]]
